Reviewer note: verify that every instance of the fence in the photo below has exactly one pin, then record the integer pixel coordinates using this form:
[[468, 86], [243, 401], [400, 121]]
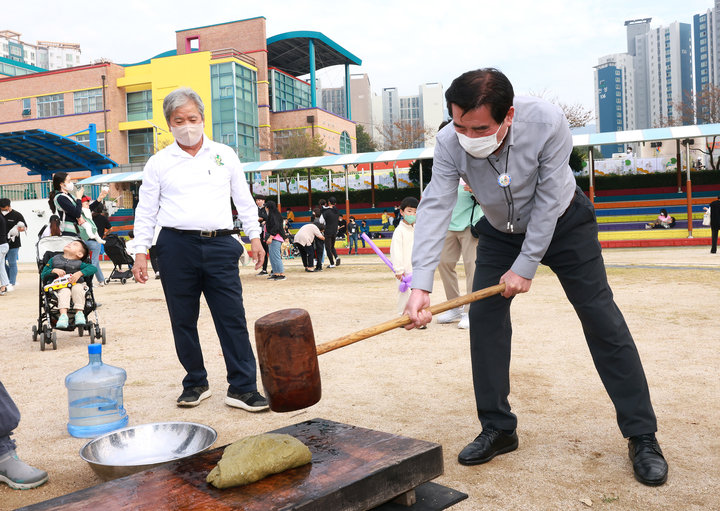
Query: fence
[[37, 190]]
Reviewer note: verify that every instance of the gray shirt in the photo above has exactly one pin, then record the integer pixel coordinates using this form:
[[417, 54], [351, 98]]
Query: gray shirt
[[536, 151]]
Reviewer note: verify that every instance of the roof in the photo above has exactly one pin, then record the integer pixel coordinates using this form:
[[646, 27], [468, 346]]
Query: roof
[[616, 137], [290, 53], [44, 152]]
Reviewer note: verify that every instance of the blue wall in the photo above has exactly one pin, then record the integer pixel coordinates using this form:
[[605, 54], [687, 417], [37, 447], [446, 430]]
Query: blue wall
[[609, 83]]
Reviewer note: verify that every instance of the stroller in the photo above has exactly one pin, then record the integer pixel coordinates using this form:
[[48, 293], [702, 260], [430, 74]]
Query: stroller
[[48, 313], [115, 249]]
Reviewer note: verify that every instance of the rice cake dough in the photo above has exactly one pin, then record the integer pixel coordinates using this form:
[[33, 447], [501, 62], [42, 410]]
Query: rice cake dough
[[255, 457]]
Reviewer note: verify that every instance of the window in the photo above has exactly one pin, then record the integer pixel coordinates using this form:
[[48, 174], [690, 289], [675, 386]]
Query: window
[[85, 140], [345, 143], [88, 101], [139, 105], [617, 72], [618, 101], [26, 107], [703, 25], [140, 145], [703, 64], [617, 80], [618, 94], [618, 107], [50, 106], [703, 41], [69, 58]]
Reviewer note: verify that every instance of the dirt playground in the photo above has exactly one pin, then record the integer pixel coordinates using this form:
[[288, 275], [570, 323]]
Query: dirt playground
[[417, 383]]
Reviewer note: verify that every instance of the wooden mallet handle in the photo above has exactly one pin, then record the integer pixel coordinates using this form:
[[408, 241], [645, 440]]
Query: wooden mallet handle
[[405, 320]]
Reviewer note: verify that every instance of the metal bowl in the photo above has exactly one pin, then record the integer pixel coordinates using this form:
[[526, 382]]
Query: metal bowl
[[130, 450]]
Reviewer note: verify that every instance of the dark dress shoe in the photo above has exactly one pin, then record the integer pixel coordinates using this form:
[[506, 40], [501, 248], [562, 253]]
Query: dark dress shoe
[[487, 445], [648, 461]]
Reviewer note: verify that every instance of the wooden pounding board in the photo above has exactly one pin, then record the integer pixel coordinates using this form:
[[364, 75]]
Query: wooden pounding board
[[352, 469]]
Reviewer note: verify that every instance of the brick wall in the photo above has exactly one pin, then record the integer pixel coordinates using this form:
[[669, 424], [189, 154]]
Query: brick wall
[[13, 90]]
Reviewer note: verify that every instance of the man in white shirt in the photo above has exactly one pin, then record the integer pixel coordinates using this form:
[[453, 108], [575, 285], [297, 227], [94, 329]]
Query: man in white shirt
[[186, 190]]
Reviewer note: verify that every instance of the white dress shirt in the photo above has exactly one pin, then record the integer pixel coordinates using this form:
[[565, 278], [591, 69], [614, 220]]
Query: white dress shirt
[[193, 193]]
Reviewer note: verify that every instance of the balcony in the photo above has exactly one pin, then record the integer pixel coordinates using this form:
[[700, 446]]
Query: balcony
[[227, 53]]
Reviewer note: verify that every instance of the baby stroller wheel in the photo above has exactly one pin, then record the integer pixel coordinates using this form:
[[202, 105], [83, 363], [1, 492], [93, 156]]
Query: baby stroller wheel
[[123, 281], [54, 340], [34, 333], [81, 331], [103, 336], [42, 344]]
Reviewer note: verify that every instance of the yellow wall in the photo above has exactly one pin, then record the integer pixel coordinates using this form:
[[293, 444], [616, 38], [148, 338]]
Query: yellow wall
[[165, 74]]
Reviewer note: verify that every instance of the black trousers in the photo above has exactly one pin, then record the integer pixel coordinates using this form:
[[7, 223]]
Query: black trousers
[[267, 251], [192, 266], [330, 246], [714, 238], [153, 259], [9, 420], [575, 257], [306, 254]]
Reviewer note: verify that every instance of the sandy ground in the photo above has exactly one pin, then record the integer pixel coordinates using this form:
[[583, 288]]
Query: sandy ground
[[418, 383]]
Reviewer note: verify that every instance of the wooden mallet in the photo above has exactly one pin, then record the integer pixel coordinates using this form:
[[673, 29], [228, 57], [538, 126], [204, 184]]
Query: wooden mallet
[[288, 355]]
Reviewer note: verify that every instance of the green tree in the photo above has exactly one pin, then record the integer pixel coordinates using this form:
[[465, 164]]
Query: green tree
[[365, 142], [414, 172], [299, 145]]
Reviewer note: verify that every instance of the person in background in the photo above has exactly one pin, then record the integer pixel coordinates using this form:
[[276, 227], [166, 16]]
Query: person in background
[[663, 220], [198, 249], [364, 228], [352, 229], [67, 207], [14, 472], [93, 243], [4, 247], [401, 247], [273, 234], [262, 218], [16, 221], [331, 216], [385, 220], [290, 215], [398, 216], [459, 241], [342, 228], [52, 228], [101, 221], [714, 208], [304, 241]]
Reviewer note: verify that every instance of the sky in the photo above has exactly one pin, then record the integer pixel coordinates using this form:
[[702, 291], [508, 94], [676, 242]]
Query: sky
[[549, 45]]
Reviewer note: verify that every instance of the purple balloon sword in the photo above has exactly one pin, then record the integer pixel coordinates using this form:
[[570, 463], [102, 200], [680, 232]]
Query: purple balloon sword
[[406, 280]]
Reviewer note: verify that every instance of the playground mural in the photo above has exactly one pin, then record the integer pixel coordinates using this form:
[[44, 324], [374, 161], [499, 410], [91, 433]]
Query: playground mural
[[333, 182]]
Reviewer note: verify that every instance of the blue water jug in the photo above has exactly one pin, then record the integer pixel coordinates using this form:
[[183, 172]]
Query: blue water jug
[[95, 397]]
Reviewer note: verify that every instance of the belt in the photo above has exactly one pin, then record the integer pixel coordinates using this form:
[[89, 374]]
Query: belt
[[571, 203], [205, 234]]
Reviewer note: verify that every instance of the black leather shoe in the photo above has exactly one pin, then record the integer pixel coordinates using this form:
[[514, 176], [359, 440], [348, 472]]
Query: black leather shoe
[[648, 461], [487, 445]]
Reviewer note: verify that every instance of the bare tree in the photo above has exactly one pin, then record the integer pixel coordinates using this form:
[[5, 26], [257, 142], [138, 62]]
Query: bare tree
[[704, 108], [298, 145], [576, 114], [403, 135]]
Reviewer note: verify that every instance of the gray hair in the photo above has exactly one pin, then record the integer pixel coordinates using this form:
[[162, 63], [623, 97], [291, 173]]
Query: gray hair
[[179, 97]]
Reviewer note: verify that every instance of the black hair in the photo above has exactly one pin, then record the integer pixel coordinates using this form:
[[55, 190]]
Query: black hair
[[4, 203], [273, 212], [131, 234], [332, 200], [474, 89], [320, 226], [86, 250], [352, 217], [444, 123], [663, 212], [322, 202], [57, 180], [409, 202]]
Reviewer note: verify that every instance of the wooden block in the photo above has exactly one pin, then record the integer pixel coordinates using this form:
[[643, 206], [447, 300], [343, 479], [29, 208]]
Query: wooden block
[[406, 499], [352, 469]]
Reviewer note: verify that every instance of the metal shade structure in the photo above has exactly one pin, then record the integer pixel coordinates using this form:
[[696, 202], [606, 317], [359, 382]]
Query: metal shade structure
[[120, 177], [45, 153], [290, 52]]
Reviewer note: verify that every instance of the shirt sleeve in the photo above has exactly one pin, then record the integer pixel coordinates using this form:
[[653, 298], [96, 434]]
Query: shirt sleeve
[[433, 219], [396, 252], [552, 172], [147, 208], [247, 210]]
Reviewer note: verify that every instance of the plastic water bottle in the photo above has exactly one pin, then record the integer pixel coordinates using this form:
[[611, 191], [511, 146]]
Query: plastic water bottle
[[95, 397]]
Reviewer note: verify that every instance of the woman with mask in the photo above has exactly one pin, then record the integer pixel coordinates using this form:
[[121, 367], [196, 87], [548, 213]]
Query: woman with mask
[[66, 201]]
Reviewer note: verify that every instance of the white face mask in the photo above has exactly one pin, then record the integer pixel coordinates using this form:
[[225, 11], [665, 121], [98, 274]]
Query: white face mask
[[69, 186], [480, 147], [188, 134], [5, 213]]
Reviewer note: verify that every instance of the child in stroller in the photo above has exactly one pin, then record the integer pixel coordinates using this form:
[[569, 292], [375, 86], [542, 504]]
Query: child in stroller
[[118, 254], [65, 284]]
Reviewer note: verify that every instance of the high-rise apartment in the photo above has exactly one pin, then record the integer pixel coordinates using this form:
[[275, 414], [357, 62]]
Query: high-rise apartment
[[642, 88], [45, 54]]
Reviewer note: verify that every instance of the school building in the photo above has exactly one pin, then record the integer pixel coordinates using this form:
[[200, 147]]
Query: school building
[[254, 99]]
